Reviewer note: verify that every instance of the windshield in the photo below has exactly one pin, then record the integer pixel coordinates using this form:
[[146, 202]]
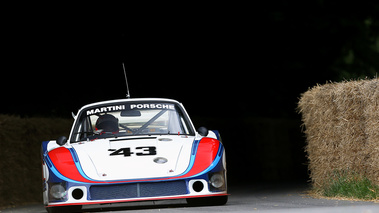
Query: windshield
[[127, 119]]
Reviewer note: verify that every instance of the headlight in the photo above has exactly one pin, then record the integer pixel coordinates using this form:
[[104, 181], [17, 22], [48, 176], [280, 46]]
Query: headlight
[[217, 180], [58, 191]]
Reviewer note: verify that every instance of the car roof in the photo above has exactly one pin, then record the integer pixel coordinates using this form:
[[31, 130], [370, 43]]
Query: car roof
[[129, 100]]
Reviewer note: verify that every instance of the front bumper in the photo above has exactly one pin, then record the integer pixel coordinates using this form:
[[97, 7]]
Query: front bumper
[[138, 191]]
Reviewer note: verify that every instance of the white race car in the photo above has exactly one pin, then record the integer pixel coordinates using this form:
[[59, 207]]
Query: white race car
[[133, 150]]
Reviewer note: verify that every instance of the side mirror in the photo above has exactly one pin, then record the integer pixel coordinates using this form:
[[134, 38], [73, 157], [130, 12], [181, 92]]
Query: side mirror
[[61, 140], [203, 131]]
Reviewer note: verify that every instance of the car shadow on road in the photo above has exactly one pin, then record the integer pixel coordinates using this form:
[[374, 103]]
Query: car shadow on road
[[143, 205], [238, 192], [130, 208]]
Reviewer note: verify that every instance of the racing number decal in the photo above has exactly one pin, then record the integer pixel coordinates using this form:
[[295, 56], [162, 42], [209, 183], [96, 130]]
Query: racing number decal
[[140, 151], [123, 151], [147, 150]]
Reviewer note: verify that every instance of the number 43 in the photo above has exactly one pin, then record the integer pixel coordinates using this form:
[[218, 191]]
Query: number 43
[[139, 151]]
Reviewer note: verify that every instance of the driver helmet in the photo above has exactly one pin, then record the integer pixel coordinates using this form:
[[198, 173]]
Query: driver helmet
[[107, 123]]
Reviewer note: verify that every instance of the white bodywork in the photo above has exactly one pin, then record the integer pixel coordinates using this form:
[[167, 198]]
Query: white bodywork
[[99, 165]]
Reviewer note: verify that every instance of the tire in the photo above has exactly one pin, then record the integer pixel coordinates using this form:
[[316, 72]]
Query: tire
[[208, 201], [64, 209]]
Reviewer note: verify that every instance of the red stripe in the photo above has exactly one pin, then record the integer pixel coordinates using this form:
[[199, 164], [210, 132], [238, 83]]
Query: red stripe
[[63, 162], [205, 155]]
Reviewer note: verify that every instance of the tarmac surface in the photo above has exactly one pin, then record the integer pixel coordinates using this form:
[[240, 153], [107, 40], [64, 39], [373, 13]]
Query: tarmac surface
[[281, 198]]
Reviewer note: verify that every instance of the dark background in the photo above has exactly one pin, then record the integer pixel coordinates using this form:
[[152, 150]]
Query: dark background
[[236, 68]]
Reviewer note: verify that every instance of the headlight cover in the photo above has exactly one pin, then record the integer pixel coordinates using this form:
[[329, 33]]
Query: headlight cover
[[217, 181], [58, 191]]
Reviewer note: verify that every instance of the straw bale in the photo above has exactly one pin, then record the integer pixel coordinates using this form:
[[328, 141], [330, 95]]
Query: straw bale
[[341, 126], [371, 114]]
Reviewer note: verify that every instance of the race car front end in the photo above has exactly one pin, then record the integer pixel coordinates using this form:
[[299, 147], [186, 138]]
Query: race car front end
[[197, 173]]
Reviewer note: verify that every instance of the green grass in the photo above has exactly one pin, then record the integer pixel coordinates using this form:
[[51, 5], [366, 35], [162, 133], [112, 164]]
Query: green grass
[[351, 185]]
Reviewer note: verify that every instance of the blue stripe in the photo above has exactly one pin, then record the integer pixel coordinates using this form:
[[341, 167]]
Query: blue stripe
[[194, 147], [44, 147], [217, 133], [220, 150]]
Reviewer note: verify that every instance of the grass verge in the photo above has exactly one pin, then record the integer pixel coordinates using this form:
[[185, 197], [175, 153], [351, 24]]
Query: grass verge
[[351, 186]]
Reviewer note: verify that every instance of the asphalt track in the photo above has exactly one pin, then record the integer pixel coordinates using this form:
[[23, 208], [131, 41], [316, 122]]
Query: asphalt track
[[281, 198]]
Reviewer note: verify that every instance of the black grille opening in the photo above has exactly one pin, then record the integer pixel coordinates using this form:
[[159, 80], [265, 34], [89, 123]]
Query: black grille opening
[[135, 190]]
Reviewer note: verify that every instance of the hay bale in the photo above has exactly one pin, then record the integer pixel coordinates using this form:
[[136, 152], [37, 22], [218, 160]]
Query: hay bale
[[371, 113], [341, 126]]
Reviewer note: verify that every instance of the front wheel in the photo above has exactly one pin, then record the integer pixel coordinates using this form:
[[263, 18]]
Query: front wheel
[[208, 201]]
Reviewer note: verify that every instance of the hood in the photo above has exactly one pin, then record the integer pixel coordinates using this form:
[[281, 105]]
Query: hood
[[135, 157]]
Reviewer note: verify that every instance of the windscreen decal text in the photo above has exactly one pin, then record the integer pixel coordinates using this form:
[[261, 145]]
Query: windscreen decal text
[[105, 109], [152, 106]]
